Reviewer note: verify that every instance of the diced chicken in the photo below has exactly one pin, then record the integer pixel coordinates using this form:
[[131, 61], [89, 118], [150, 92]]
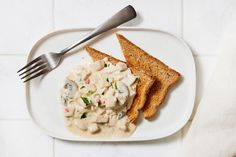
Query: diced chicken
[[85, 74], [98, 65], [102, 119], [112, 120], [95, 99], [101, 91], [110, 92], [122, 124], [92, 117], [77, 114], [121, 98], [129, 80], [82, 73], [102, 84], [100, 111], [110, 79], [121, 66], [109, 112], [110, 69], [69, 122], [93, 128], [81, 124], [110, 102]]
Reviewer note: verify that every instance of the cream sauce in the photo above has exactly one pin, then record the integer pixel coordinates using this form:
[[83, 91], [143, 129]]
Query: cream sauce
[[96, 98]]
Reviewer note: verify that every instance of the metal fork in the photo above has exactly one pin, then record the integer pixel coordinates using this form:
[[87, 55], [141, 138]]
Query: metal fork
[[47, 62]]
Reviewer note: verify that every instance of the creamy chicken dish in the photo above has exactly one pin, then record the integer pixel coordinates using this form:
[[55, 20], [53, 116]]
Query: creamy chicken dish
[[96, 98]]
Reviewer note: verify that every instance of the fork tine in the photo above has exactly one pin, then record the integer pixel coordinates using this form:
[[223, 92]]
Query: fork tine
[[30, 63], [37, 74], [33, 67], [34, 71]]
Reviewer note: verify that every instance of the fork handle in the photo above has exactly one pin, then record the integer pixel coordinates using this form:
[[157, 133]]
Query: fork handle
[[119, 18]]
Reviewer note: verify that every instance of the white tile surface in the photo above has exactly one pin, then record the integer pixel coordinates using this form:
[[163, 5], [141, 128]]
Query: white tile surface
[[12, 92], [204, 21], [21, 138], [161, 14], [22, 23], [165, 148]]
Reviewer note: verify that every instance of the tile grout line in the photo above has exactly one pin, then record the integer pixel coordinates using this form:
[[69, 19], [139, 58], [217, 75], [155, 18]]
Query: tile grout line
[[205, 55], [53, 147]]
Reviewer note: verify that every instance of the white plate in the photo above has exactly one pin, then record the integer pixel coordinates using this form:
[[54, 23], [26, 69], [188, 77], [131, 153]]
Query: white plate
[[43, 93]]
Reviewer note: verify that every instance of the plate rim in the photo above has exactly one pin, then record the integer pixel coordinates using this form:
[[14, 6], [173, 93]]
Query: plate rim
[[173, 131]]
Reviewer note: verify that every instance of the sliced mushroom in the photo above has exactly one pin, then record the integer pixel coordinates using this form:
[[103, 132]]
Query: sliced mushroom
[[121, 114], [70, 88]]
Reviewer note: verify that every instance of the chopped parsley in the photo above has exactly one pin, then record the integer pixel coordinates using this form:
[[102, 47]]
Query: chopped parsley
[[85, 100], [116, 86], [84, 115], [90, 93], [82, 87]]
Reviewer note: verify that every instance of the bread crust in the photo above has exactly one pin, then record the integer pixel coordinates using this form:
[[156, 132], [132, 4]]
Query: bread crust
[[164, 76]]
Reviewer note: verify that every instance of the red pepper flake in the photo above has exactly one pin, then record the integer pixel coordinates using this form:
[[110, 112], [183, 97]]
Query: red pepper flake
[[66, 109], [87, 81]]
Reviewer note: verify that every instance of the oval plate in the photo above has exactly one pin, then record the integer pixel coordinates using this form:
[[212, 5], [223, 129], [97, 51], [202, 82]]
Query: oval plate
[[43, 93]]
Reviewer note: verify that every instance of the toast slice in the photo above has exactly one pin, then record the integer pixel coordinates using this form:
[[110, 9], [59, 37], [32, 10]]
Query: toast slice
[[144, 83], [164, 76]]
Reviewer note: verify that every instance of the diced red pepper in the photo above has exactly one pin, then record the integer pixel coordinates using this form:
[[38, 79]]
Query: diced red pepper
[[66, 109], [87, 81]]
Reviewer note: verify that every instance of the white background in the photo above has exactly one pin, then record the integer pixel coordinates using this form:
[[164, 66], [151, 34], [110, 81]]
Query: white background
[[23, 22]]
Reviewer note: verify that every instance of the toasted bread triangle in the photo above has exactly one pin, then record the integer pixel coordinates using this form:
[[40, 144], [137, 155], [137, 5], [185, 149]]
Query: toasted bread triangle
[[165, 76], [144, 83]]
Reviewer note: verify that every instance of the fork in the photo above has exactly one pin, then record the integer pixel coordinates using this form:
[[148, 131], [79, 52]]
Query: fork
[[49, 61]]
